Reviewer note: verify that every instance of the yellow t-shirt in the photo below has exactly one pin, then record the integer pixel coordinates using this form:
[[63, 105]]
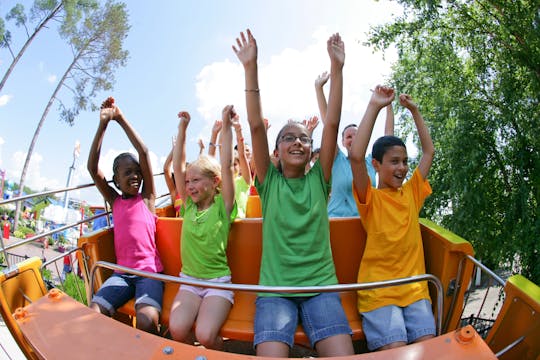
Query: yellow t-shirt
[[394, 244]]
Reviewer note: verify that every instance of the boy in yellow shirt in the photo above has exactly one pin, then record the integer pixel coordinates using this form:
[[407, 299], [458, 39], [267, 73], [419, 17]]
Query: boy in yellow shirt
[[398, 315]]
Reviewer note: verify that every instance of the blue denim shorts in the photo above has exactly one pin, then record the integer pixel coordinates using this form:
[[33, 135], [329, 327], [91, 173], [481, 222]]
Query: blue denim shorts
[[119, 288], [392, 323], [322, 316]]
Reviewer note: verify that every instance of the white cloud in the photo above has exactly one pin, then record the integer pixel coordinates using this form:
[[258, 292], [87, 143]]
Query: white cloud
[[287, 83], [51, 78], [4, 99], [34, 179]]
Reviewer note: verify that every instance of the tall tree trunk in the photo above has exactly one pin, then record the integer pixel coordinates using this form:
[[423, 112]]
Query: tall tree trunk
[[34, 138], [28, 42]]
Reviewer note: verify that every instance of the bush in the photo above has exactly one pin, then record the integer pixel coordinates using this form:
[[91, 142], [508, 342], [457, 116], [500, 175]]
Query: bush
[[22, 231], [74, 287]]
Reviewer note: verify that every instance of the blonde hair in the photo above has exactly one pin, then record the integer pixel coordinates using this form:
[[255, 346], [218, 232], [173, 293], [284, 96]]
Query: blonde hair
[[208, 166]]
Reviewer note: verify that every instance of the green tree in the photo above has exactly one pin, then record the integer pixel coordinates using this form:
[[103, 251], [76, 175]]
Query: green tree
[[67, 12], [474, 69], [96, 45]]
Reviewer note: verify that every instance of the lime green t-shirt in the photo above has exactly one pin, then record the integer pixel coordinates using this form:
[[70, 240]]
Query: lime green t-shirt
[[296, 233], [241, 194], [204, 239]]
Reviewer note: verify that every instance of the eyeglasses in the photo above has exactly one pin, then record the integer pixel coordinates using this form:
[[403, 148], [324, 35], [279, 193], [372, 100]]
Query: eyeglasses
[[289, 138]]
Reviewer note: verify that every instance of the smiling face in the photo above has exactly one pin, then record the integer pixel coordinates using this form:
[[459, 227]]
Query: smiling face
[[200, 187], [393, 168], [293, 147], [127, 175]]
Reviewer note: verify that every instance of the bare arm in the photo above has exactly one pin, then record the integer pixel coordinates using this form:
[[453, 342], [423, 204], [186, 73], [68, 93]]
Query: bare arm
[[179, 155], [311, 124], [319, 92], [226, 158], [148, 188], [168, 174], [247, 54], [336, 51], [214, 138], [389, 122], [108, 192], [201, 146], [321, 99], [381, 97], [244, 165], [428, 149]]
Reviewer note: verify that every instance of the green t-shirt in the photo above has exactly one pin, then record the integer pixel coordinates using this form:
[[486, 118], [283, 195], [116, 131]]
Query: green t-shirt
[[296, 233], [204, 239], [241, 194]]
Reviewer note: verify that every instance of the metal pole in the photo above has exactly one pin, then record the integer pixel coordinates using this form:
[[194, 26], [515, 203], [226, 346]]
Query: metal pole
[[76, 153]]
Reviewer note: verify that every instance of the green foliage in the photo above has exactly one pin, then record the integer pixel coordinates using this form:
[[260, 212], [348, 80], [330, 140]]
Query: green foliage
[[46, 274], [18, 15], [62, 240], [97, 42], [474, 70], [74, 287], [3, 40], [22, 231]]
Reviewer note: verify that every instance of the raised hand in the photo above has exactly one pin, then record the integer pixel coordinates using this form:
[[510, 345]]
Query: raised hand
[[236, 123], [228, 115], [109, 111], [336, 50], [311, 123], [184, 118], [406, 100], [382, 96], [247, 48], [218, 124], [322, 79]]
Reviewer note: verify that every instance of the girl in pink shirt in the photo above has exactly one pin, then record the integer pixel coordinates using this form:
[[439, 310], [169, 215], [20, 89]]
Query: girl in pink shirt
[[134, 225]]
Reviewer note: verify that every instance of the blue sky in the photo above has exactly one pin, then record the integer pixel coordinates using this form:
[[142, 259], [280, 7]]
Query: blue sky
[[180, 58]]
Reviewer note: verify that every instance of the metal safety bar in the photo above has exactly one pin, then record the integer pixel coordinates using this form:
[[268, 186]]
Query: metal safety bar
[[275, 289]]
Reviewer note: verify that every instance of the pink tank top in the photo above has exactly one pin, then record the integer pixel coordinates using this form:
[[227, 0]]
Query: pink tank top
[[134, 235]]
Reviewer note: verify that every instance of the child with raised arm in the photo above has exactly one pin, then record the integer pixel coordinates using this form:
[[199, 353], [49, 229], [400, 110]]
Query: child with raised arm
[[134, 225], [207, 191], [242, 170], [169, 180], [296, 237], [392, 316], [342, 202]]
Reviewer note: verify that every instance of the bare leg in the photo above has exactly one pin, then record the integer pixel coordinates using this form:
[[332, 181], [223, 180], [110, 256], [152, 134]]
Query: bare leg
[[273, 349], [392, 345], [212, 314], [423, 338], [337, 345], [183, 314], [148, 318], [98, 308]]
